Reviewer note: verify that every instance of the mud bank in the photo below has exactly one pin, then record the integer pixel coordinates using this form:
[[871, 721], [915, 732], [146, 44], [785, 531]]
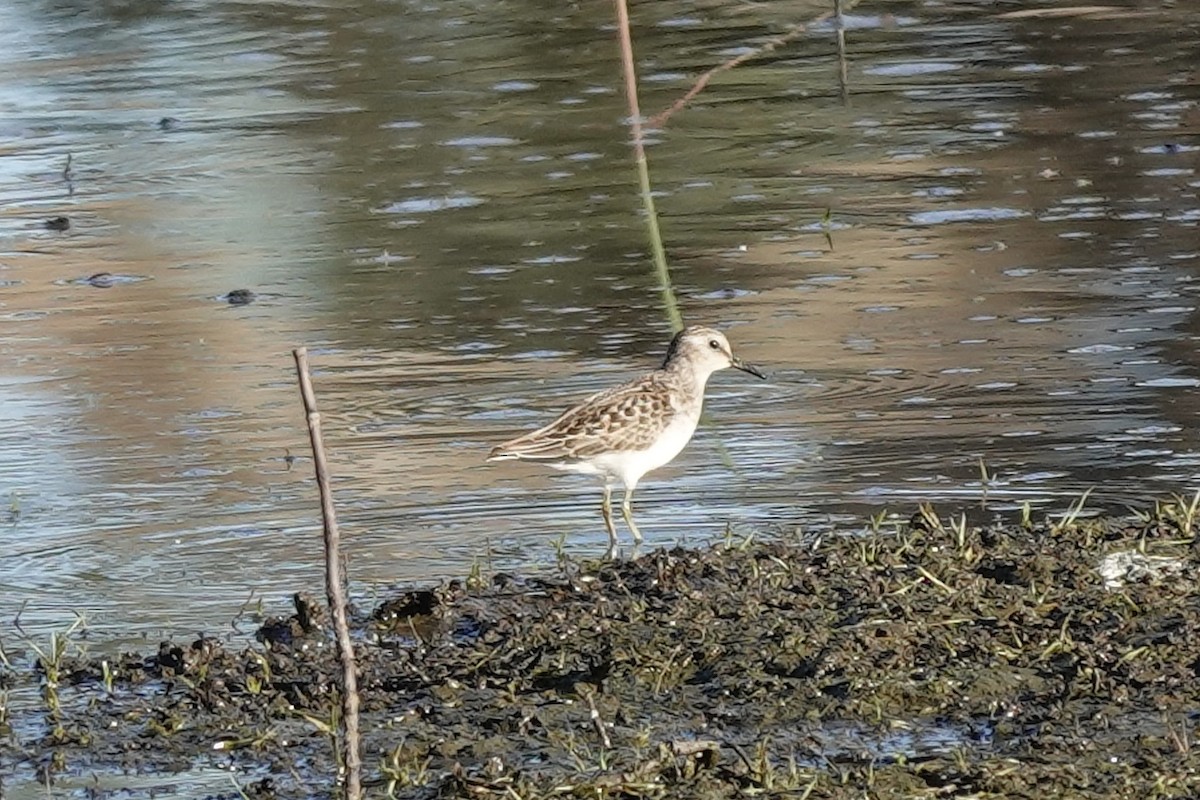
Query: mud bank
[[925, 660]]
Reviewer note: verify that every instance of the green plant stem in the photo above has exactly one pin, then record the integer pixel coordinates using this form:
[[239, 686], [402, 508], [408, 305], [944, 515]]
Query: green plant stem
[[670, 302]]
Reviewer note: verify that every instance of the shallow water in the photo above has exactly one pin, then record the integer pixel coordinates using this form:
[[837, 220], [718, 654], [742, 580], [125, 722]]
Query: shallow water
[[439, 201]]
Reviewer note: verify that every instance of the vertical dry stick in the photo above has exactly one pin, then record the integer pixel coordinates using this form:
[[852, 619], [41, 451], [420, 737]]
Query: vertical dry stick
[[597, 720], [333, 586], [843, 79], [639, 150]]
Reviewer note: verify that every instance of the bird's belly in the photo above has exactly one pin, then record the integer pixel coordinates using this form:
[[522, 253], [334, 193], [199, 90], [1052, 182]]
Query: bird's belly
[[630, 465]]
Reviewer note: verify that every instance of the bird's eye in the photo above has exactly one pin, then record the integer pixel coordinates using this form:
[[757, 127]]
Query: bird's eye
[[714, 344]]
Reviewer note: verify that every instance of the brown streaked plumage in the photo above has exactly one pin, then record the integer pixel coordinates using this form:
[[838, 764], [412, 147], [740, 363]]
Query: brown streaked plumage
[[626, 431]]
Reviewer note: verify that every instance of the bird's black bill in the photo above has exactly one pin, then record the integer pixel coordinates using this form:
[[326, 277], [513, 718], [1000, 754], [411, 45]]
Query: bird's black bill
[[744, 367]]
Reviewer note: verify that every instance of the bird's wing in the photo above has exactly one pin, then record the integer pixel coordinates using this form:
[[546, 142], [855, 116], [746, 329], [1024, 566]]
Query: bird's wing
[[626, 417]]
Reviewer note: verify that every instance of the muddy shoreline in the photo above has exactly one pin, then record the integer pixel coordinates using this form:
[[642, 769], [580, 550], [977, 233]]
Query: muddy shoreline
[[925, 659]]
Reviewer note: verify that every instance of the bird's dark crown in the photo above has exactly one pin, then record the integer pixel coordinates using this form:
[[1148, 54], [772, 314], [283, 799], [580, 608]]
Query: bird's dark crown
[[677, 343]]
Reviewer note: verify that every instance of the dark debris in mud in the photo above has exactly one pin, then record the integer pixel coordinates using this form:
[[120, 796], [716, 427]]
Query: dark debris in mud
[[928, 662]]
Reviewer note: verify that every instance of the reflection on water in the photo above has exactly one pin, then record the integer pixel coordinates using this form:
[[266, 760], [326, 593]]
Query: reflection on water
[[441, 204]]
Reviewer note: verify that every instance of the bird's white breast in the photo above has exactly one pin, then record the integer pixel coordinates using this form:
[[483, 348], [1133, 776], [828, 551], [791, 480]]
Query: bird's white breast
[[629, 466]]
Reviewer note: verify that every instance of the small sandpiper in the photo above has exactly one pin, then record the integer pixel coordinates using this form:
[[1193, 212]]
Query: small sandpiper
[[624, 432]]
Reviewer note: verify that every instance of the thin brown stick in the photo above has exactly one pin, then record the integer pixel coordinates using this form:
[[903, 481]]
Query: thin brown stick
[[843, 76], [630, 75], [597, 720], [333, 586], [660, 119]]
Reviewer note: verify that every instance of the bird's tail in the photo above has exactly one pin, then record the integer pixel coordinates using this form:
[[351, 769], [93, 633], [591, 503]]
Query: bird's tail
[[500, 454]]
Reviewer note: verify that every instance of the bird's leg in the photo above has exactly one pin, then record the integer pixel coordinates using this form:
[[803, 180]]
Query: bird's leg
[[627, 513], [606, 509]]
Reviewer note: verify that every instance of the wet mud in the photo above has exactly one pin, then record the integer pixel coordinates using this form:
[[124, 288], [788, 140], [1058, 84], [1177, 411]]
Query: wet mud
[[921, 660]]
